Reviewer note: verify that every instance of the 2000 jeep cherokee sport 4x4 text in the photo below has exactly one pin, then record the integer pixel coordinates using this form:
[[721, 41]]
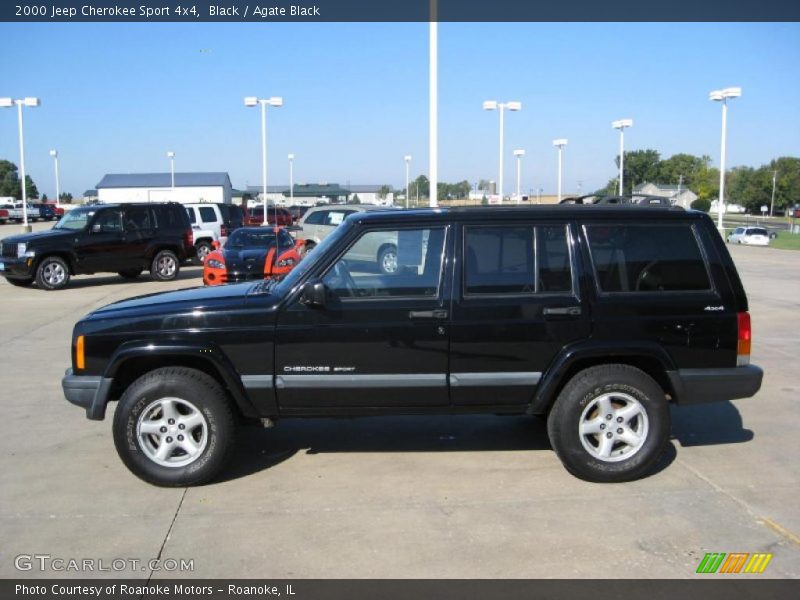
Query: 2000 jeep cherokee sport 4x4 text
[[597, 317]]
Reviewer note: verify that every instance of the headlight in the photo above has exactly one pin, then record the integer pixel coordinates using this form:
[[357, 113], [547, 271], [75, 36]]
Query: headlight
[[215, 264], [286, 262]]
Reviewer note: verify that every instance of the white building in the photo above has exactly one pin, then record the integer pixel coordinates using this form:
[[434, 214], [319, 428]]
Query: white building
[[309, 194], [157, 187], [678, 195]]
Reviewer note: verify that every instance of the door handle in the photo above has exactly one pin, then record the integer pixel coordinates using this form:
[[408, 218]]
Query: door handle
[[567, 311], [428, 314]]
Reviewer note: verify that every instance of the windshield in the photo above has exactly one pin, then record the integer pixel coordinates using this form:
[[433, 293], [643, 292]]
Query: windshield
[[258, 238], [75, 219], [311, 259]]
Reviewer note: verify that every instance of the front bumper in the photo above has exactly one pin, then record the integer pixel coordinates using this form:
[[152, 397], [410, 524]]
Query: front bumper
[[18, 268], [90, 392], [699, 386]]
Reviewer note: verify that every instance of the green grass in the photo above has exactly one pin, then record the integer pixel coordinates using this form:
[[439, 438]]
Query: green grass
[[786, 241]]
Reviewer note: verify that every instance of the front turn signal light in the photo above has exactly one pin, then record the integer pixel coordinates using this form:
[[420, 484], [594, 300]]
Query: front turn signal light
[[80, 356]]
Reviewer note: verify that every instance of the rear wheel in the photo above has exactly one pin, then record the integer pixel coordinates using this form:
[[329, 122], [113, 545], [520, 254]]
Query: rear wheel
[[174, 426], [610, 423], [203, 250], [52, 273], [165, 266]]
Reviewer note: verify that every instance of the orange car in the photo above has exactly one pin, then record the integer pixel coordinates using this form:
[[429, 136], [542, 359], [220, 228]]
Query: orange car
[[252, 253]]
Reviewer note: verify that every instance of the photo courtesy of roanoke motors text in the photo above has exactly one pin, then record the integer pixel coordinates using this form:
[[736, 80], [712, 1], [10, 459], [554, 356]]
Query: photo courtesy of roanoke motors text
[[422, 299]]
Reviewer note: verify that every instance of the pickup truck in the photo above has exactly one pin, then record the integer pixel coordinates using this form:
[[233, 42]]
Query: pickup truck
[[596, 318]]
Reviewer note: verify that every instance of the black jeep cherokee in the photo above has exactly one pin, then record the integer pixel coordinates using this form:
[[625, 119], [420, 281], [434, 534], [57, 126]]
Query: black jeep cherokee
[[112, 238], [598, 317]]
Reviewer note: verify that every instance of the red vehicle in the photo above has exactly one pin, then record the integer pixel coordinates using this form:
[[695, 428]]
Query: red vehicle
[[251, 253], [3, 215], [255, 216]]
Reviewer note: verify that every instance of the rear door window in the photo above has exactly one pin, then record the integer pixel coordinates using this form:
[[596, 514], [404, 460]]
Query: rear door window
[[647, 258], [208, 214], [317, 218]]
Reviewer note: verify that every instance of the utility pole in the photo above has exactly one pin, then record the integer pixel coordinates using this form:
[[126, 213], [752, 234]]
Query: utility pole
[[772, 202]]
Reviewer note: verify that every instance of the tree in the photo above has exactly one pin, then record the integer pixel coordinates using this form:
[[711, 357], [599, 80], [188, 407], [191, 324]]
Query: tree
[[686, 165], [65, 197], [701, 204], [422, 186], [44, 197], [10, 184], [483, 185], [640, 166], [384, 191], [355, 200]]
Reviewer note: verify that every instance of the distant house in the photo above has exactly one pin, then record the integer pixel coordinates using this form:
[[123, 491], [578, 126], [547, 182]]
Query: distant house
[[678, 195], [157, 187], [312, 193]]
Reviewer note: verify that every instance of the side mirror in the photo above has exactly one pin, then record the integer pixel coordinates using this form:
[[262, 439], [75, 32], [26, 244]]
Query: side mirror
[[314, 294]]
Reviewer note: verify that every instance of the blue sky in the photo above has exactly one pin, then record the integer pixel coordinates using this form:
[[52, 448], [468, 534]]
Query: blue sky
[[117, 97]]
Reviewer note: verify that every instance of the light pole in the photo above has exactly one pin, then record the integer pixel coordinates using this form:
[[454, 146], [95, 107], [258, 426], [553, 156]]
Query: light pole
[[433, 103], [30, 102], [621, 125], [501, 106], [54, 154], [275, 101], [291, 182], [519, 154], [171, 156], [772, 202], [722, 96], [560, 143], [407, 158]]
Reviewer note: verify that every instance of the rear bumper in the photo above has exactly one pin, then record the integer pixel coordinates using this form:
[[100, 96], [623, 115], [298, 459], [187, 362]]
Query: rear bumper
[[87, 391], [698, 386]]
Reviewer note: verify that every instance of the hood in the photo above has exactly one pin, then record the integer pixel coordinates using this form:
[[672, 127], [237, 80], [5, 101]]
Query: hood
[[197, 298], [40, 236], [245, 259]]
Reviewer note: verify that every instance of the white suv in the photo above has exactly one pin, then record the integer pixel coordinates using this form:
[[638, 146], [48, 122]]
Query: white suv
[[211, 223]]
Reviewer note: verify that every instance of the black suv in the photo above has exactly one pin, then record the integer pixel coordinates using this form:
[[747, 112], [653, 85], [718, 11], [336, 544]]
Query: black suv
[[598, 317], [114, 238]]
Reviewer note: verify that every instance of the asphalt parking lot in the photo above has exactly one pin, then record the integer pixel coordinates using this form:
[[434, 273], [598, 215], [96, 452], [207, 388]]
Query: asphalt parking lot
[[399, 497]]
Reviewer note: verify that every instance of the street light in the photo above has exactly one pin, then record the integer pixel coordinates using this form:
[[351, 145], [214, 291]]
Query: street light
[[275, 101], [171, 156], [621, 125], [501, 106], [54, 154], [519, 154], [291, 182], [772, 202], [30, 102], [560, 143], [407, 158], [722, 96]]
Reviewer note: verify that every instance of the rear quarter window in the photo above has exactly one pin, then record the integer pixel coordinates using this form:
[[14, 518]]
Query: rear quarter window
[[647, 258]]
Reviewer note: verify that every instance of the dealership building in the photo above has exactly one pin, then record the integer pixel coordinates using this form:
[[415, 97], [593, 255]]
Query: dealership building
[[158, 187]]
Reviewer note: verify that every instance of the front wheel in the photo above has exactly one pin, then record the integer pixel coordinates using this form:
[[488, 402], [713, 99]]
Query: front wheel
[[387, 260], [174, 427], [52, 273], [165, 266], [203, 250], [610, 423]]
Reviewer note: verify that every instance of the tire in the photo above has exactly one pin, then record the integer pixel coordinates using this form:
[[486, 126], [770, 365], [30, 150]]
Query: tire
[[130, 273], [165, 266], [196, 401], [20, 282], [387, 260], [620, 389], [203, 249], [52, 273]]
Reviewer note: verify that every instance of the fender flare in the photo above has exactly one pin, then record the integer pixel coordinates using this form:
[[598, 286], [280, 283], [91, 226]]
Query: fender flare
[[553, 378], [209, 353]]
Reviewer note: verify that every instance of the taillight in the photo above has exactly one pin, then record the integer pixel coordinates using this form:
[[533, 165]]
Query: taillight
[[745, 339], [188, 237]]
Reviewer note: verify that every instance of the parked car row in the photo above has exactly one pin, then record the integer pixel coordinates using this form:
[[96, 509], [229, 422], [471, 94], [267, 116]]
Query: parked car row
[[36, 212]]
